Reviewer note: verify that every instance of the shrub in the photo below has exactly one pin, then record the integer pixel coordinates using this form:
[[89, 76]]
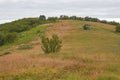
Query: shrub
[[2, 39], [118, 28], [6, 37], [10, 37], [86, 27], [52, 45]]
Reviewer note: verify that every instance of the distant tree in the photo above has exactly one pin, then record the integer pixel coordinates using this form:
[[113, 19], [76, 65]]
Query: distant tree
[[113, 23], [103, 21], [52, 19], [73, 17], [42, 18], [87, 18], [64, 17]]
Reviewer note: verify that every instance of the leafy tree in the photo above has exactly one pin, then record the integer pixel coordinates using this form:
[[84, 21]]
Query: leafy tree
[[42, 19], [64, 17], [52, 19]]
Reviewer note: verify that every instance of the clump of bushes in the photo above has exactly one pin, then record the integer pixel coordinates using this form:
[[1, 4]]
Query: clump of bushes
[[52, 45], [118, 28], [86, 27], [7, 37]]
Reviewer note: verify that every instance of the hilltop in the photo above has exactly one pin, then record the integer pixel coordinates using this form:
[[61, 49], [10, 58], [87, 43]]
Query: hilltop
[[85, 55]]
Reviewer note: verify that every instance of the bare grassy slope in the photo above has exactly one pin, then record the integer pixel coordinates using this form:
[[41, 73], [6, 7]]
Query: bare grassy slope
[[85, 55]]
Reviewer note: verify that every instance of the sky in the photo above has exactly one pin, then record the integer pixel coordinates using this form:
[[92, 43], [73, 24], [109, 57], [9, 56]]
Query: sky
[[16, 9]]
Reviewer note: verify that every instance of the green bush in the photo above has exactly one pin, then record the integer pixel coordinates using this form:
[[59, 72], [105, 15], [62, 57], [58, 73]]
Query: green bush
[[10, 37], [2, 38], [52, 45], [6, 37], [118, 28], [86, 27]]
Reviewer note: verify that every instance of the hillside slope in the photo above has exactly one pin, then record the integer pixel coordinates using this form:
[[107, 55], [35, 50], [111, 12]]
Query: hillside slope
[[85, 55]]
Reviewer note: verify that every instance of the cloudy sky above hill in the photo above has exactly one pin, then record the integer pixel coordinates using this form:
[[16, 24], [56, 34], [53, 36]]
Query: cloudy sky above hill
[[15, 9]]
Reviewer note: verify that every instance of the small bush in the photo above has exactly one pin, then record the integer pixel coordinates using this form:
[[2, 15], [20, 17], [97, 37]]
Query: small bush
[[7, 37], [52, 45], [10, 37], [118, 28], [86, 27], [2, 39]]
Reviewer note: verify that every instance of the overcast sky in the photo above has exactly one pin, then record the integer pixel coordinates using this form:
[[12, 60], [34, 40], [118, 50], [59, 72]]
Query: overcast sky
[[15, 9]]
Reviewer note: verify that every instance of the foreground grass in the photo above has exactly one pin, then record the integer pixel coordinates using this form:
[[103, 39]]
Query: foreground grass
[[85, 55]]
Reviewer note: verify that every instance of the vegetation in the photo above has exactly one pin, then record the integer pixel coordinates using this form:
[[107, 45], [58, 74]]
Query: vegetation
[[52, 45], [52, 19], [9, 32], [7, 37], [42, 19], [86, 27], [118, 28], [78, 59]]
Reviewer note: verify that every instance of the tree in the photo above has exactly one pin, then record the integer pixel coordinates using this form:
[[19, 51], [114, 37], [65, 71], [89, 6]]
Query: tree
[[52, 19], [64, 17], [42, 18]]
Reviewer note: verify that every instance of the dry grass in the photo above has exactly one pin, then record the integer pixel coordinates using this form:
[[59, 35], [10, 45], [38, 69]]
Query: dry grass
[[85, 55]]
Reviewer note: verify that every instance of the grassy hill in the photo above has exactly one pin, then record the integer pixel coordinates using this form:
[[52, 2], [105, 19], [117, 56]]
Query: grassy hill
[[85, 55]]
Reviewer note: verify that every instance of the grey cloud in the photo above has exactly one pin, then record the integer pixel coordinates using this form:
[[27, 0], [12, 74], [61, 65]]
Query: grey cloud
[[26, 8]]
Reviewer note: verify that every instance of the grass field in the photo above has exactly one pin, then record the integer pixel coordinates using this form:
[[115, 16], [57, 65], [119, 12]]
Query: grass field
[[85, 55]]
